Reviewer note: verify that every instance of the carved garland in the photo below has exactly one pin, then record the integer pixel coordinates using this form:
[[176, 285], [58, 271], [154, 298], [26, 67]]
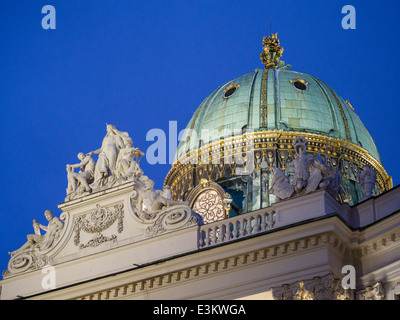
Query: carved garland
[[97, 221]]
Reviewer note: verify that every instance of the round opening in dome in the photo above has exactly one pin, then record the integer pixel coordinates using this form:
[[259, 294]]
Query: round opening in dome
[[300, 85], [230, 92]]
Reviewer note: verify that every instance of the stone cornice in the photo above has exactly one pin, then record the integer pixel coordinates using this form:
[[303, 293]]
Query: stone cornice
[[195, 271]]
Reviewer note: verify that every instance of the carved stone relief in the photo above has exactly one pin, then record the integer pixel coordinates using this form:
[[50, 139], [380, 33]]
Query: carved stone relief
[[210, 206], [319, 288], [96, 222], [375, 292]]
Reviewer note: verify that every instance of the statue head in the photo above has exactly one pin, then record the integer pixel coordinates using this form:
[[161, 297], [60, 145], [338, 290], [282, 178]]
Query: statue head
[[81, 156], [148, 183], [48, 214], [300, 145], [110, 128]]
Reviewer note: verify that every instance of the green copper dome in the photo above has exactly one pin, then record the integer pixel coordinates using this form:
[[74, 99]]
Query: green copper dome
[[249, 125], [275, 100]]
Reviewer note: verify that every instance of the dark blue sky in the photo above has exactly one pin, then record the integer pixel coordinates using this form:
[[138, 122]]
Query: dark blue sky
[[140, 64]]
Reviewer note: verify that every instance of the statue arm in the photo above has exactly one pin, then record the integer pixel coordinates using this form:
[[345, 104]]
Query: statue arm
[[94, 152], [119, 142], [80, 164], [59, 223]]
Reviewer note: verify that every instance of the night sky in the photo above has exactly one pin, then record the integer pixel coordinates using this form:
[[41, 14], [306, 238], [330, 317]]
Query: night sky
[[140, 64]]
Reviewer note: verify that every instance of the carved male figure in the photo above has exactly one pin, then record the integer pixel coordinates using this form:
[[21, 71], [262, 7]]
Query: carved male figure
[[151, 200], [84, 176], [45, 241]]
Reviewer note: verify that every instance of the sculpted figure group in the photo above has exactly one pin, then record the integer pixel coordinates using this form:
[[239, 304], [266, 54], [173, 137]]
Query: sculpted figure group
[[312, 173], [117, 162]]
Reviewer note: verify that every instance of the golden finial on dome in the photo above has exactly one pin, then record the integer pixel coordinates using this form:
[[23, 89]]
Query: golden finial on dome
[[272, 51]]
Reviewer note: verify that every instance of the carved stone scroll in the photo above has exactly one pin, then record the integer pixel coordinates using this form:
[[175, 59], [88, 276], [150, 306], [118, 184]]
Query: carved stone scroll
[[156, 214]]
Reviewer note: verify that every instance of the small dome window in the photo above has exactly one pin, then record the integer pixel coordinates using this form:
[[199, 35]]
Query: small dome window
[[230, 90], [300, 84]]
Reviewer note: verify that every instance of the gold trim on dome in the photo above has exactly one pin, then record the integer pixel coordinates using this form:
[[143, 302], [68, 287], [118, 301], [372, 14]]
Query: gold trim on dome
[[299, 80], [263, 104], [271, 147], [344, 118], [232, 85], [349, 104]]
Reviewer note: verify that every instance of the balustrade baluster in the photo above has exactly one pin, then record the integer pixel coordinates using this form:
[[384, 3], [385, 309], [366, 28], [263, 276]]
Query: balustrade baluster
[[207, 239], [214, 235], [235, 230], [248, 227], [242, 229], [221, 237], [228, 232], [256, 226], [263, 221]]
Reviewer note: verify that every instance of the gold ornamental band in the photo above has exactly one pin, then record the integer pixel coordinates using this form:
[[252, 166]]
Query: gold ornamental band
[[272, 147]]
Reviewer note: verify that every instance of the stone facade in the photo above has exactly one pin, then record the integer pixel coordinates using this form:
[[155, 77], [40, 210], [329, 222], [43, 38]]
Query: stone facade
[[295, 250], [122, 239]]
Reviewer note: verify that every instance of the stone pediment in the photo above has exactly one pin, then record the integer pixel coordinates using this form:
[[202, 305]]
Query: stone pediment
[[113, 210]]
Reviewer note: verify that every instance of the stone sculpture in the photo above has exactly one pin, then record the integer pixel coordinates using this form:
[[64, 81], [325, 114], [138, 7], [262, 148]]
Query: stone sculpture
[[42, 242], [310, 173], [280, 185], [367, 180], [108, 153], [301, 164], [151, 201], [154, 211], [84, 176], [319, 288], [375, 292], [118, 162]]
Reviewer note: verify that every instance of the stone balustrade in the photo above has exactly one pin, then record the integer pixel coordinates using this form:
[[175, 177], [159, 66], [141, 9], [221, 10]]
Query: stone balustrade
[[236, 227]]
